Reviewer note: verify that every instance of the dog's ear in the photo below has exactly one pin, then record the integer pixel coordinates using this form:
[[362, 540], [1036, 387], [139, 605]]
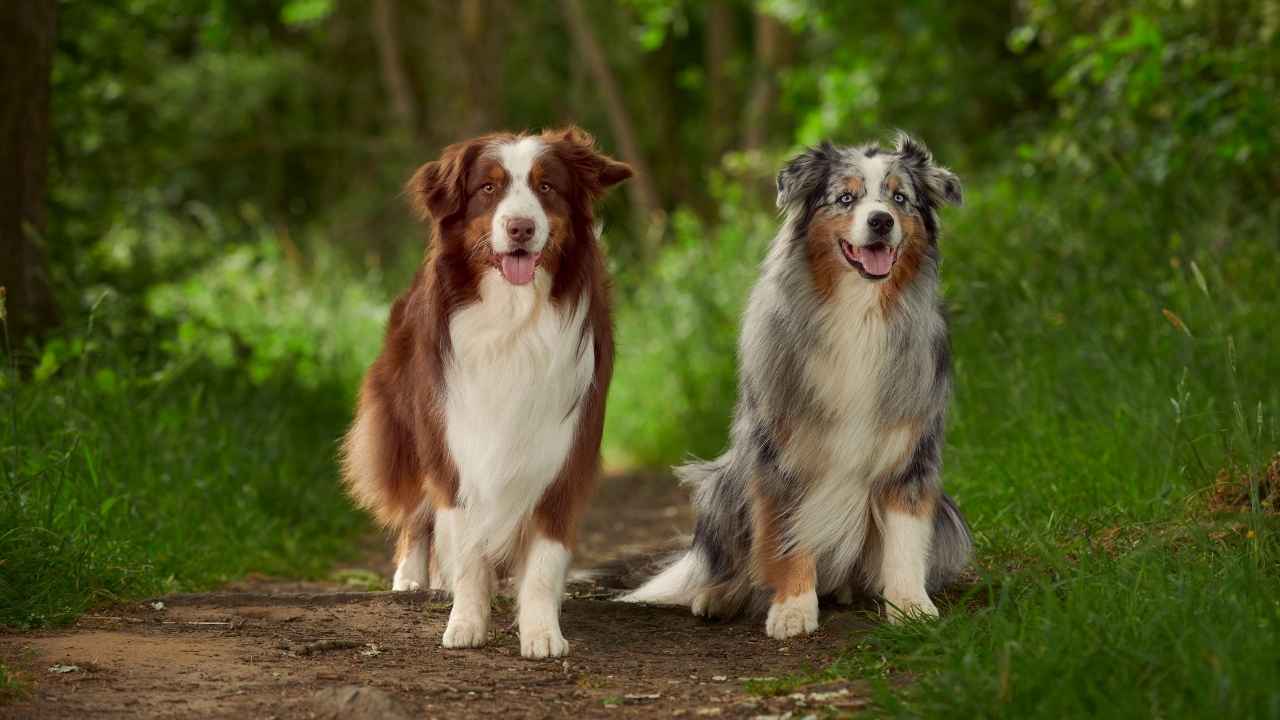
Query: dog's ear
[[438, 189], [805, 173], [940, 184], [595, 172]]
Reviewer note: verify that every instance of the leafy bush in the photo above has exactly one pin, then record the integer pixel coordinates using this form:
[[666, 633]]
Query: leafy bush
[[677, 327], [208, 451]]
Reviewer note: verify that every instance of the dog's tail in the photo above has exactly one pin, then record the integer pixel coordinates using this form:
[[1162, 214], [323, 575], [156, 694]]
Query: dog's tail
[[676, 585], [952, 544], [688, 573]]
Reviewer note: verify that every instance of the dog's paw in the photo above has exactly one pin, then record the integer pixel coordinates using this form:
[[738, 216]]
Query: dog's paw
[[543, 642], [797, 615], [707, 604], [465, 633], [406, 579], [904, 606], [405, 585]]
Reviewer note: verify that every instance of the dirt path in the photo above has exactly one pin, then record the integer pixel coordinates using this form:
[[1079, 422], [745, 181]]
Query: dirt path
[[264, 649]]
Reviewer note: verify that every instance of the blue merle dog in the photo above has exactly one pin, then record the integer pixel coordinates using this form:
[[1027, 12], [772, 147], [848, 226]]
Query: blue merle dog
[[833, 481]]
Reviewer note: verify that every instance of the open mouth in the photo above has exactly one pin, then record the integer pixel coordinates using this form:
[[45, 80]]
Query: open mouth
[[873, 261], [517, 266]]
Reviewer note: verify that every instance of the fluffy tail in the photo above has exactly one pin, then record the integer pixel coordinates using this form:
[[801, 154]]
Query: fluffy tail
[[716, 561], [676, 585], [952, 544]]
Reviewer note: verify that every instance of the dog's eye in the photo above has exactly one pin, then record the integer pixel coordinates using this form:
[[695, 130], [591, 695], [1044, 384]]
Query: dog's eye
[[489, 188], [845, 199], [900, 198], [545, 188]]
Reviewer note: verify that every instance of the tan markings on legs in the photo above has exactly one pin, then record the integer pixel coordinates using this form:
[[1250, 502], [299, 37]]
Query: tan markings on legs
[[413, 549], [906, 535], [790, 574], [912, 497]]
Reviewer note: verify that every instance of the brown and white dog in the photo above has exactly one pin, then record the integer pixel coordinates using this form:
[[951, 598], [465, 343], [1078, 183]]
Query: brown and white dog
[[477, 433]]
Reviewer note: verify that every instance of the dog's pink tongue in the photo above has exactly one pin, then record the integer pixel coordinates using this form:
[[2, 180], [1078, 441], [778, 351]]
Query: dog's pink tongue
[[518, 269], [876, 259]]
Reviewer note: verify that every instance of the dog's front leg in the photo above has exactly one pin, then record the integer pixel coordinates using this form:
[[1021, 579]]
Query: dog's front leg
[[792, 574], [906, 534], [541, 588], [470, 579]]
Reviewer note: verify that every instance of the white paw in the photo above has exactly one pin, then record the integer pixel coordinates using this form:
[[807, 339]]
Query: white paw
[[400, 584], [708, 604], [465, 632], [793, 616], [901, 606], [406, 579], [543, 642]]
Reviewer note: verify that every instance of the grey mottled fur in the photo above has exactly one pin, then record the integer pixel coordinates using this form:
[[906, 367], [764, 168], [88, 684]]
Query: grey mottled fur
[[784, 331]]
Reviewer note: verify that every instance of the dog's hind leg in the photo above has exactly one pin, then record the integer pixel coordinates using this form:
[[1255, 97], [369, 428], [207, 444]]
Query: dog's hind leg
[[413, 552]]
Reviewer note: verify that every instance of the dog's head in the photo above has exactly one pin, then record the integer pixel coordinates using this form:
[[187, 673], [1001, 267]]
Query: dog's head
[[515, 202], [863, 208]]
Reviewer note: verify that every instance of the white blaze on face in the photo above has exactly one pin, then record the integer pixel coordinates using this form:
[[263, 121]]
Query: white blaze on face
[[520, 199], [875, 169]]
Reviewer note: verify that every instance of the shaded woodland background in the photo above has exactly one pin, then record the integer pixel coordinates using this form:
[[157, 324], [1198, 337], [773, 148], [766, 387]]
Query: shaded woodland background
[[201, 229]]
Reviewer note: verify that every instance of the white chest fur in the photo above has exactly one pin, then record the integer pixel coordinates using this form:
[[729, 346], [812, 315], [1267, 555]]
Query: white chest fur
[[519, 368], [833, 519]]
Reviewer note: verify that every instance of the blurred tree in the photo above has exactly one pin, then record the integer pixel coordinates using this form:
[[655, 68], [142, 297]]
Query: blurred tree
[[386, 31], [26, 59], [720, 50], [772, 52], [640, 188]]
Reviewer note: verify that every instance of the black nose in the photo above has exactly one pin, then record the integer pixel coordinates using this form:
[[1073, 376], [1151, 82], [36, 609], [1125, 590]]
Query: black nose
[[520, 230], [881, 222]]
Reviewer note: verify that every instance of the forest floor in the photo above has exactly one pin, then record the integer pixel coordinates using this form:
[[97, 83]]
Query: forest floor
[[270, 648]]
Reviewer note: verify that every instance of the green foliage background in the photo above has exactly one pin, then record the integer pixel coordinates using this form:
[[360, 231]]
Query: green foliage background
[[226, 235]]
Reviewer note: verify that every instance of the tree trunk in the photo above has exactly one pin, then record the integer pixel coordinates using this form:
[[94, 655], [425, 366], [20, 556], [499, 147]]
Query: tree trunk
[[719, 52], [640, 188], [772, 50], [386, 35], [26, 62], [482, 77]]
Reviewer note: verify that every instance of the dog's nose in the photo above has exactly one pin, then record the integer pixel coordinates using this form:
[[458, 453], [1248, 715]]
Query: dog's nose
[[520, 230], [881, 222]]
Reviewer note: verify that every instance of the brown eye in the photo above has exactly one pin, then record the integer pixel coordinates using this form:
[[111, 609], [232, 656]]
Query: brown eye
[[489, 188], [545, 188]]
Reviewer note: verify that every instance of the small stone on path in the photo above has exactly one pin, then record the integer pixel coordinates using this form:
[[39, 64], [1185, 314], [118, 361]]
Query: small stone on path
[[354, 702]]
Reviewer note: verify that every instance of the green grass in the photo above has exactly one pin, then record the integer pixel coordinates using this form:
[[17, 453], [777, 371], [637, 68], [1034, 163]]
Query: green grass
[[210, 455], [172, 483], [12, 687]]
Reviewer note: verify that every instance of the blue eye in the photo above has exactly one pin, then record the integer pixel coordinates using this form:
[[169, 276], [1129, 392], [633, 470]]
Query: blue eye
[[845, 199], [900, 198]]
